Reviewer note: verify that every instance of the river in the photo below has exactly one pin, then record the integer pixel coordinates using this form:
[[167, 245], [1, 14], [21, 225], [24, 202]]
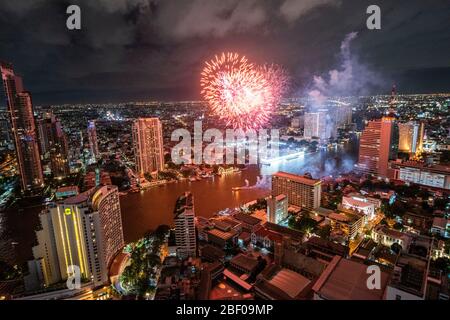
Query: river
[[146, 210]]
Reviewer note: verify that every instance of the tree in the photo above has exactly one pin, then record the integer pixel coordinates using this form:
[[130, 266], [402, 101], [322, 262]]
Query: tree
[[442, 264], [395, 247], [303, 224], [398, 226], [324, 232]]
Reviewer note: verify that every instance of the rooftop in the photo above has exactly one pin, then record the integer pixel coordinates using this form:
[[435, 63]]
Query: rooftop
[[247, 219], [347, 280], [244, 261], [290, 282], [297, 178], [224, 235]]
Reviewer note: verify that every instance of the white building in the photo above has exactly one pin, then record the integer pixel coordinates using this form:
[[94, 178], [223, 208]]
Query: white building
[[315, 126], [277, 208], [361, 204], [387, 237]]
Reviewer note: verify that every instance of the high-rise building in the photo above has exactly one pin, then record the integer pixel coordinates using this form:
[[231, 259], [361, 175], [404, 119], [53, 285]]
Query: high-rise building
[[6, 137], [411, 137], [21, 121], [277, 208], [93, 143], [318, 125], [378, 144], [301, 191], [53, 144], [84, 231], [185, 236], [148, 145]]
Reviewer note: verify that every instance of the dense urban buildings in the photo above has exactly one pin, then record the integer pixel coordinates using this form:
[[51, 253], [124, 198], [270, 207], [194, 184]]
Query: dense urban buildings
[[148, 145], [53, 144], [351, 203]]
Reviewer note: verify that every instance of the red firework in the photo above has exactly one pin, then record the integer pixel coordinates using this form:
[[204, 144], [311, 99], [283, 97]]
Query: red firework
[[240, 94]]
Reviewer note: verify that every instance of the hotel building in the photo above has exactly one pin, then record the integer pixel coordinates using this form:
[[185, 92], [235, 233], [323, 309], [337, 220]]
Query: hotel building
[[83, 231], [301, 191], [377, 146]]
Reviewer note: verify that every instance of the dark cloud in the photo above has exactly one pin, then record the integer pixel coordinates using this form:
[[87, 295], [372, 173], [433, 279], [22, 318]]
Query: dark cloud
[[154, 49]]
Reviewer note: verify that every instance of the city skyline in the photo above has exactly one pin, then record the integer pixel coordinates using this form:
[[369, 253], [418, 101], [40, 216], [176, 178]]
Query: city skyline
[[268, 150]]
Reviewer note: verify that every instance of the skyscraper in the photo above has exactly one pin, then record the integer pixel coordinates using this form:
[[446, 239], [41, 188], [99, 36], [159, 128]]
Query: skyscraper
[[83, 231], [93, 144], [301, 191], [185, 236], [318, 125], [148, 145], [53, 144], [378, 144], [21, 121], [411, 137]]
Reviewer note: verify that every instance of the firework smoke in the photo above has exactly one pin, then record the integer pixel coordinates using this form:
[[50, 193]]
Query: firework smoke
[[352, 78]]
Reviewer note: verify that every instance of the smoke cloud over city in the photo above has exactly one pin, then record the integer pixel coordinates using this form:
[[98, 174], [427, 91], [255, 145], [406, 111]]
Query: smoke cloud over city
[[352, 77]]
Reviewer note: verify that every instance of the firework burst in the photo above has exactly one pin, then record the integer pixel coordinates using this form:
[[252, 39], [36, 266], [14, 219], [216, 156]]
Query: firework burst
[[241, 94]]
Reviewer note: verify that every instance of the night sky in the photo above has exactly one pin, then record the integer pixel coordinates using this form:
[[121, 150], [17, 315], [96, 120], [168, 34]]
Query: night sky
[[131, 50]]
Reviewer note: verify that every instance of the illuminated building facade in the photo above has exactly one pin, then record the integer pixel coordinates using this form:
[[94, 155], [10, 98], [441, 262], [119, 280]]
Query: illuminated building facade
[[362, 204], [21, 122], [316, 126], [148, 145], [277, 208], [411, 137], [83, 231], [377, 146], [437, 176], [301, 191], [184, 220]]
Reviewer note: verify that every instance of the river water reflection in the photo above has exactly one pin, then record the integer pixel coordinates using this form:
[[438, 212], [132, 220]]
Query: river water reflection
[[146, 210]]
